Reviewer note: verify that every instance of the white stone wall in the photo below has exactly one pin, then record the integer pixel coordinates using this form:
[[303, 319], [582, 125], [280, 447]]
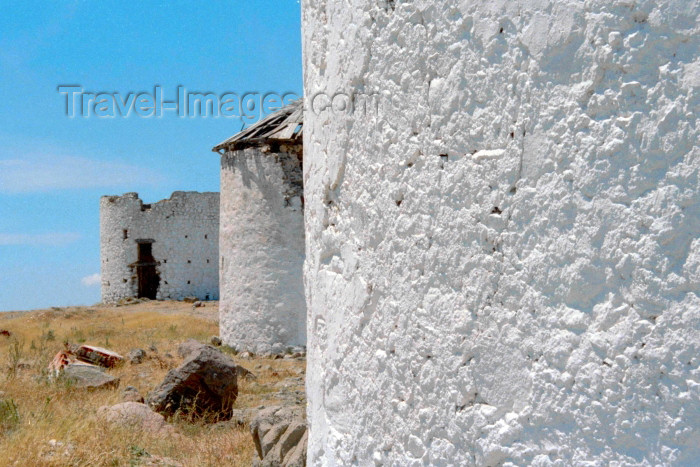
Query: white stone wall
[[262, 307], [503, 260], [185, 229]]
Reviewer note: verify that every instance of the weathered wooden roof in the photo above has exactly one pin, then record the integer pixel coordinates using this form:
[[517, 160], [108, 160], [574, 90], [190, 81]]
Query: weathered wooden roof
[[285, 125]]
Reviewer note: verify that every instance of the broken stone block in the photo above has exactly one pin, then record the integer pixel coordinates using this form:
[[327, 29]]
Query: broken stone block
[[206, 382], [87, 376], [98, 356], [60, 361]]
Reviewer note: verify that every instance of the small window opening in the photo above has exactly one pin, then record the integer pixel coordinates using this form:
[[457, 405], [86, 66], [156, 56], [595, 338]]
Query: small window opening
[[188, 282], [185, 236], [125, 233], [207, 261], [165, 261], [189, 261], [206, 297], [206, 236]]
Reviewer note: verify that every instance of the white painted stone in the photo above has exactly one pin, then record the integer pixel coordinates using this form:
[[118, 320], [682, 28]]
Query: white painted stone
[[262, 307], [535, 307], [185, 229]]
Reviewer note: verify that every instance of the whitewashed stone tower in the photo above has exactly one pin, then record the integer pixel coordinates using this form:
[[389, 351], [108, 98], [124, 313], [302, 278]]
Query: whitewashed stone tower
[[262, 307], [164, 250], [503, 255]]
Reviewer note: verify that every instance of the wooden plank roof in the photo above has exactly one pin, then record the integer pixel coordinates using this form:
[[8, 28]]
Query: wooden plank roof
[[285, 125]]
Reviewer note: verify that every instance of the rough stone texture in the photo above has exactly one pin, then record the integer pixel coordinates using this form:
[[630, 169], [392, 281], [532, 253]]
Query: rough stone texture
[[280, 437], [87, 376], [131, 394], [191, 345], [185, 230], [262, 307], [136, 416], [136, 356], [503, 262], [206, 382]]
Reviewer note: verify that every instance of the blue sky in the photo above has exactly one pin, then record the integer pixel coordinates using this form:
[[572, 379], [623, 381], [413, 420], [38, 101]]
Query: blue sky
[[53, 168]]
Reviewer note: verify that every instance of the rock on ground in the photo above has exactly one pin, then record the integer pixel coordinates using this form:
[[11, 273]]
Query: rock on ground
[[136, 356], [206, 382], [190, 345], [136, 415], [280, 436], [131, 394], [88, 377]]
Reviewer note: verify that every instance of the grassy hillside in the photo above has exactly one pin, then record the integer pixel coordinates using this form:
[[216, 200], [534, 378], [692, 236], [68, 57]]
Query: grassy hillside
[[49, 423]]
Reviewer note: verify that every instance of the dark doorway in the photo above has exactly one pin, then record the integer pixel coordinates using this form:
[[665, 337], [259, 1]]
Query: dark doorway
[[148, 277]]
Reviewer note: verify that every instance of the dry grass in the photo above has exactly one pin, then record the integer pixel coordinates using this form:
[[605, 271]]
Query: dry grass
[[34, 410]]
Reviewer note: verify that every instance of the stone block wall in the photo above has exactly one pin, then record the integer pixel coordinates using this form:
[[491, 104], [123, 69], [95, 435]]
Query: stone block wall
[[185, 234], [503, 261]]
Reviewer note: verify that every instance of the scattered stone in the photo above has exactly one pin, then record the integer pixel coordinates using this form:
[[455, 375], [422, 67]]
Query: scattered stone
[[215, 341], [168, 355], [98, 356], [136, 356], [280, 437], [245, 355], [153, 348], [131, 394], [136, 415], [205, 382], [87, 376], [56, 448], [197, 304], [189, 299], [189, 346]]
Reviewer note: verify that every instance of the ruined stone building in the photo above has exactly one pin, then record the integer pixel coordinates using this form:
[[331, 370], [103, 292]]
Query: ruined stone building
[[164, 250], [503, 260], [262, 306]]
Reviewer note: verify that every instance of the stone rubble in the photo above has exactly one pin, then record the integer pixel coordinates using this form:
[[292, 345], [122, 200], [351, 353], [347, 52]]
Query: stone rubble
[[280, 436]]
